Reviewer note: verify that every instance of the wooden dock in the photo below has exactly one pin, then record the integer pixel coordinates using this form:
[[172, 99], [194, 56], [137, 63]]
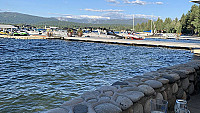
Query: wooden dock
[[194, 47], [188, 38], [177, 38]]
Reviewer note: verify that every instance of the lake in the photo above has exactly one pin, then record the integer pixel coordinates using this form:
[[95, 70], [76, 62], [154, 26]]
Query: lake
[[37, 75]]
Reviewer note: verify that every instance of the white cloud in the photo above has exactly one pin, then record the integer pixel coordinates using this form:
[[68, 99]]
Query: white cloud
[[80, 16], [86, 17], [113, 1], [146, 16], [117, 15], [93, 17], [108, 15], [101, 10], [139, 2], [159, 3]]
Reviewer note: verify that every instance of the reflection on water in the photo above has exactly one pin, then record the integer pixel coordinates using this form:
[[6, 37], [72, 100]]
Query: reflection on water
[[41, 74]]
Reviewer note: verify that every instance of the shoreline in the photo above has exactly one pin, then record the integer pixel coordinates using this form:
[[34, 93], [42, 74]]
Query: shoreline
[[133, 95]]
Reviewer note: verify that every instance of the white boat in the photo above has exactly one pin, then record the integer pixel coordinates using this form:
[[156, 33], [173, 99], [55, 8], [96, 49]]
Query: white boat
[[94, 34], [131, 36]]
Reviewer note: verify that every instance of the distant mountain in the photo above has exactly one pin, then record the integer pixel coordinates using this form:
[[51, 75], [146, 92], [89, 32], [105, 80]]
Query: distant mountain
[[18, 18], [104, 21]]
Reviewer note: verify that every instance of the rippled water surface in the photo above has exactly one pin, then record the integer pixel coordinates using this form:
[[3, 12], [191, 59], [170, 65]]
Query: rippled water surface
[[37, 75]]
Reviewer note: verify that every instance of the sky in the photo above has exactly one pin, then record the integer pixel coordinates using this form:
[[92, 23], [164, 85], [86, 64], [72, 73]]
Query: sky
[[103, 9]]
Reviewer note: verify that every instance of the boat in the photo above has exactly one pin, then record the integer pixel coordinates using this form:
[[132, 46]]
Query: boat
[[135, 37], [131, 36], [3, 33], [20, 33]]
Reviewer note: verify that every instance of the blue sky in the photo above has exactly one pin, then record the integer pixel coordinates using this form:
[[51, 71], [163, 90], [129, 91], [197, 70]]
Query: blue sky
[[108, 9]]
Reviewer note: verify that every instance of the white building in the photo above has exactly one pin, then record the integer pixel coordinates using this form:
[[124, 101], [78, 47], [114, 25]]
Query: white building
[[5, 27]]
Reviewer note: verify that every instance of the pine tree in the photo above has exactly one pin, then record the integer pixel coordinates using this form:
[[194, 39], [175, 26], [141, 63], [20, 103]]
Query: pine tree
[[196, 21], [178, 27], [159, 24], [192, 14], [167, 24], [183, 24], [142, 27], [137, 28], [148, 25]]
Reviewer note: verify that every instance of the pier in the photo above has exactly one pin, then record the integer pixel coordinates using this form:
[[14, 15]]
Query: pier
[[177, 38], [194, 47]]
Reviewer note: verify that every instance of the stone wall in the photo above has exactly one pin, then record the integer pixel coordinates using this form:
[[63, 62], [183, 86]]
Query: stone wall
[[134, 94]]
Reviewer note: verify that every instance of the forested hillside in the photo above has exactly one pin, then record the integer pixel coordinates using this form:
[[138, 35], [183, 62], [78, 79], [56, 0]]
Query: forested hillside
[[18, 18], [64, 24], [105, 21]]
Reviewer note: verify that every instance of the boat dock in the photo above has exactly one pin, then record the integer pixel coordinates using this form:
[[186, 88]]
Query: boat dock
[[194, 47], [188, 38], [177, 38]]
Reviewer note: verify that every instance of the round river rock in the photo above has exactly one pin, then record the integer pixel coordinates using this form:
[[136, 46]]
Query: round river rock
[[147, 90], [154, 83], [107, 108]]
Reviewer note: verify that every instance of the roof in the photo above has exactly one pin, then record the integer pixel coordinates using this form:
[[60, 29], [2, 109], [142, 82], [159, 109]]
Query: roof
[[7, 26], [196, 1], [53, 27]]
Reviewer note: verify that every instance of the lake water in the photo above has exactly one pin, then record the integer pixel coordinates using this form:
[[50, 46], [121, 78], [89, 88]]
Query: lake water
[[37, 75]]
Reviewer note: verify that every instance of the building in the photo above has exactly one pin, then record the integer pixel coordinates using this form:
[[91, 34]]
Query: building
[[6, 27]]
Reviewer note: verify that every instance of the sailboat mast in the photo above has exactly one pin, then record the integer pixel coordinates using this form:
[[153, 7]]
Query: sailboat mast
[[133, 23]]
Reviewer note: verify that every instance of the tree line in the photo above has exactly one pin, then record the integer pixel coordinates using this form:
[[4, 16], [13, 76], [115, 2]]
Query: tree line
[[188, 24]]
